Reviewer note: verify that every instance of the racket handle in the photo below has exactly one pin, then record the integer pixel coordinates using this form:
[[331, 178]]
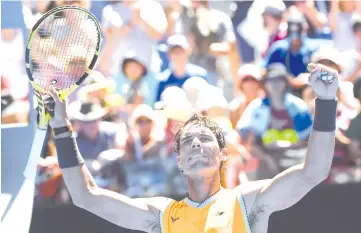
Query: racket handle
[[35, 154]]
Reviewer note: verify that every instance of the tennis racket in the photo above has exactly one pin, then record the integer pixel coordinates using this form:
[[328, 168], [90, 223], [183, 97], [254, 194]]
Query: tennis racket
[[61, 51]]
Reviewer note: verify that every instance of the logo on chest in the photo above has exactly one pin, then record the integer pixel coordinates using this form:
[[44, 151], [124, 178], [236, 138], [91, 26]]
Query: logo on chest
[[174, 219]]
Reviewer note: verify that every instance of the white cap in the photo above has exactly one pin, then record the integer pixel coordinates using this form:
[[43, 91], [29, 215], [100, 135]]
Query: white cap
[[176, 104], [211, 97], [327, 52], [193, 87], [142, 110], [249, 70]]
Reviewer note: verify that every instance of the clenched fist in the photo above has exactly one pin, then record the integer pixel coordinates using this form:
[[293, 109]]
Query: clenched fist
[[324, 81]]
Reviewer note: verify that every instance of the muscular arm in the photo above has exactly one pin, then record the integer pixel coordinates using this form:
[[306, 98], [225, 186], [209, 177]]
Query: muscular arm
[[288, 187], [135, 214]]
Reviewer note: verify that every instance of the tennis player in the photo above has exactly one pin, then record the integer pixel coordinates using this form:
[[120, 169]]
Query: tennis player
[[201, 151]]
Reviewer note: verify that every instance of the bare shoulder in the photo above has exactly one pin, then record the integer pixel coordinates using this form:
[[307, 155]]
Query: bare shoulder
[[250, 191], [157, 205]]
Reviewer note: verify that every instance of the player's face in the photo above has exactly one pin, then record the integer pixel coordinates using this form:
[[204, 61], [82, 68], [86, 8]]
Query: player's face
[[199, 152]]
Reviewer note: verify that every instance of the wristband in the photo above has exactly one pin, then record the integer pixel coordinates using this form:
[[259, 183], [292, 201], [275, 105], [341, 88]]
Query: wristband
[[68, 152], [325, 115], [61, 130]]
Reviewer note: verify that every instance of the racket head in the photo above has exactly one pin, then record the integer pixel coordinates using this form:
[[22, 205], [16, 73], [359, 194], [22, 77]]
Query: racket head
[[62, 49]]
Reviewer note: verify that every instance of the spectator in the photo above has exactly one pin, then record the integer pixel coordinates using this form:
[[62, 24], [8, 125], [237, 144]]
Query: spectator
[[176, 109], [132, 25], [49, 179], [273, 22], [354, 130], [317, 20], [340, 17], [180, 69], [294, 52], [193, 88], [179, 16], [352, 59], [249, 89], [211, 39], [278, 121], [142, 142], [93, 134], [135, 83]]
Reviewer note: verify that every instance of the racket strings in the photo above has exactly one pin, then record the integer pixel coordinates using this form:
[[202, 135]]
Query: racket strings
[[62, 57]]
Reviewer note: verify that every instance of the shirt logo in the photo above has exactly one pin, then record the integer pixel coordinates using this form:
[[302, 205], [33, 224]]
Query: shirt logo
[[174, 219], [219, 213]]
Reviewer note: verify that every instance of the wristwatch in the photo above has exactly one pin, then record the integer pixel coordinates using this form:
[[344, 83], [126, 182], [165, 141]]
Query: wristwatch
[[63, 129]]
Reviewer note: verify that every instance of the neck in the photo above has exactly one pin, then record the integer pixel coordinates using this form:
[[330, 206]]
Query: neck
[[179, 70], [145, 140], [277, 101], [201, 188], [134, 79], [273, 29], [296, 46], [91, 138]]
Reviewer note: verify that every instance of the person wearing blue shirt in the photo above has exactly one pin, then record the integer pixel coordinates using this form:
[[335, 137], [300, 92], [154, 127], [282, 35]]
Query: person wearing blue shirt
[[294, 51], [135, 83], [276, 122], [179, 69]]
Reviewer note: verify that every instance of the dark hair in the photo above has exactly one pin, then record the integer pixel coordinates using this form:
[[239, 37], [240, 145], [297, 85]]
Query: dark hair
[[356, 25], [202, 121], [357, 89]]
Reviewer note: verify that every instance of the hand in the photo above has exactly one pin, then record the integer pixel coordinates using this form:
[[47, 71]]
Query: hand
[[324, 81], [136, 17], [60, 118]]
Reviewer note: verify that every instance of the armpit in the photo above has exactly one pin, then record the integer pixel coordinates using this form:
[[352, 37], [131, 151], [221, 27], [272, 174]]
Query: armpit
[[153, 226], [157, 205], [255, 214]]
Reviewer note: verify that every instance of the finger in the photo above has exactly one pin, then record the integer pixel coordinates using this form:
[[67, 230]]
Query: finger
[[54, 94], [314, 74], [326, 69], [311, 67]]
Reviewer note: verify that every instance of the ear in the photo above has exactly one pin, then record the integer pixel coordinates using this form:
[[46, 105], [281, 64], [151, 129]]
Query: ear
[[224, 154]]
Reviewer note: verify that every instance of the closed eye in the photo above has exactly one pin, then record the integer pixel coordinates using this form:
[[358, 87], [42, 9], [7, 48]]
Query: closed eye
[[187, 140], [206, 139]]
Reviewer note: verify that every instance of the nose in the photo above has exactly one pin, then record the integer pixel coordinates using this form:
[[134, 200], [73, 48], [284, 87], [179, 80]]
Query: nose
[[196, 143]]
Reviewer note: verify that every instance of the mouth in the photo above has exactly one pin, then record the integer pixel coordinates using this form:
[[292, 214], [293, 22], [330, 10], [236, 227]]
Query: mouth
[[198, 160]]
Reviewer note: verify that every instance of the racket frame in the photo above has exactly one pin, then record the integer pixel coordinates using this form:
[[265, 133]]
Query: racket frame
[[35, 29], [44, 116]]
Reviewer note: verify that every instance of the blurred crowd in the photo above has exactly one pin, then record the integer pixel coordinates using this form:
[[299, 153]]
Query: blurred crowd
[[163, 61]]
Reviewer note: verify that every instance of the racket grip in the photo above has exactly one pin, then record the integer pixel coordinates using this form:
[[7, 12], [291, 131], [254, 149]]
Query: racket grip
[[35, 154]]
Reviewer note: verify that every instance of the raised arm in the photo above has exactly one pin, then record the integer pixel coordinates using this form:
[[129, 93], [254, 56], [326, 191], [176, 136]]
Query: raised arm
[[135, 214], [290, 186]]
